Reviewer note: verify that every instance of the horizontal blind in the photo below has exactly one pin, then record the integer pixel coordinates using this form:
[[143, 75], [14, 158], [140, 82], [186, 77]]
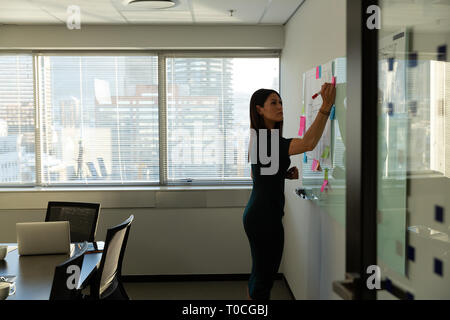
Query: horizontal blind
[[99, 119], [208, 119], [17, 116]]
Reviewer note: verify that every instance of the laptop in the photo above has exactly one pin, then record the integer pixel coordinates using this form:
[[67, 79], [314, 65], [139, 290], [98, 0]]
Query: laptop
[[43, 238]]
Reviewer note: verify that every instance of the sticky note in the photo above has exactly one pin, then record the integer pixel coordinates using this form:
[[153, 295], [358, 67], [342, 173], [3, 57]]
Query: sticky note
[[303, 109], [305, 158], [302, 126], [325, 182], [314, 165], [326, 152], [326, 174], [333, 81], [333, 112], [318, 72], [442, 53]]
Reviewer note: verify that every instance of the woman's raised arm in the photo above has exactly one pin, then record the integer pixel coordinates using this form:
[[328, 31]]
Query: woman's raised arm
[[312, 136]]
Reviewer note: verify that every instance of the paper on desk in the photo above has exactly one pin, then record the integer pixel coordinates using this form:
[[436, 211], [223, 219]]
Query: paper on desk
[[11, 248]]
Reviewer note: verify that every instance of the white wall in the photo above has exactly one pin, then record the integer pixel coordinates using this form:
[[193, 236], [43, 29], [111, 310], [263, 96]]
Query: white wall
[[314, 253], [141, 37], [192, 231]]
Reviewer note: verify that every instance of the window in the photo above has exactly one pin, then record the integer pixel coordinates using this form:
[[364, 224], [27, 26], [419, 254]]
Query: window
[[89, 119], [208, 115], [17, 113], [99, 119]]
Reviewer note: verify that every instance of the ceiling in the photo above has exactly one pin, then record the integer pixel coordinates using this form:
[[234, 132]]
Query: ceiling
[[250, 12]]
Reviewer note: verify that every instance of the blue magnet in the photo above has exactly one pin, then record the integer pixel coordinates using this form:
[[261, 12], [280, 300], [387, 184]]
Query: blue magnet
[[442, 53], [411, 253], [412, 59], [390, 109], [391, 63], [439, 213], [438, 267]]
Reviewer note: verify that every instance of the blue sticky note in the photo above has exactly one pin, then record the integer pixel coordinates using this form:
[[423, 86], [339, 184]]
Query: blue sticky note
[[411, 253], [305, 158], [442, 53], [438, 267], [332, 112], [412, 59], [391, 63], [439, 213]]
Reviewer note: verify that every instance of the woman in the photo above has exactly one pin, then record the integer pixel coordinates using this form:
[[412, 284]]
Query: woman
[[265, 208]]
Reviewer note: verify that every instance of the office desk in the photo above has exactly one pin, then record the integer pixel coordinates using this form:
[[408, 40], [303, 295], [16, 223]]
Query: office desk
[[34, 274]]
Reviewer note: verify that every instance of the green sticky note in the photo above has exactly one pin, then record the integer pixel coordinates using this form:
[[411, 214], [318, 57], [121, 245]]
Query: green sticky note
[[326, 152], [303, 109], [326, 174]]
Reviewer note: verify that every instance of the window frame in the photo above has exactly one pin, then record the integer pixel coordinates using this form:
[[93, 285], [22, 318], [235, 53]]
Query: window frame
[[162, 56]]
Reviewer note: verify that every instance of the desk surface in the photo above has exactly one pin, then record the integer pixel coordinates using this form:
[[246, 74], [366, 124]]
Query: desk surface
[[34, 274]]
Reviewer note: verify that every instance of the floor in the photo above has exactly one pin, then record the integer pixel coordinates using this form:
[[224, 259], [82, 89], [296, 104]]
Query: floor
[[199, 290]]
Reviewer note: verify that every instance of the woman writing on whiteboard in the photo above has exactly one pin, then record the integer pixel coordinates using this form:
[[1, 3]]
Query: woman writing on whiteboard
[[264, 211]]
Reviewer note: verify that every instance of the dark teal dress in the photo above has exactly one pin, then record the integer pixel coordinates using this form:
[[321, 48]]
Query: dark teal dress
[[263, 223]]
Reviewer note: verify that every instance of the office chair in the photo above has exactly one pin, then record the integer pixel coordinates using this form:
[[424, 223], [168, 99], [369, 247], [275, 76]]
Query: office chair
[[83, 218], [107, 282], [60, 288]]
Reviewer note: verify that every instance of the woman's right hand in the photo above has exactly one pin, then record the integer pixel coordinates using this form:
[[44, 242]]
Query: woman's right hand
[[328, 93]]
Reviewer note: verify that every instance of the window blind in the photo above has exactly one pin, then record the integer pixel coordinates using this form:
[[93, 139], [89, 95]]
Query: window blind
[[99, 119], [208, 119], [17, 127]]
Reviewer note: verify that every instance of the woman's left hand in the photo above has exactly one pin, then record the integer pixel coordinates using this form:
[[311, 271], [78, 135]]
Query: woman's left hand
[[292, 173]]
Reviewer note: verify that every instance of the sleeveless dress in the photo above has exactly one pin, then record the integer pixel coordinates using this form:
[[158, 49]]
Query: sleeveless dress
[[262, 220]]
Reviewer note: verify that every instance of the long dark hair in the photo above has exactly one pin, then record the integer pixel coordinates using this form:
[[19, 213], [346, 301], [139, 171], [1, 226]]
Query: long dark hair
[[258, 99]]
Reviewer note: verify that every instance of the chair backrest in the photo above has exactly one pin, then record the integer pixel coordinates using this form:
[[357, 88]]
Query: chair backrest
[[110, 267], [83, 218], [67, 275]]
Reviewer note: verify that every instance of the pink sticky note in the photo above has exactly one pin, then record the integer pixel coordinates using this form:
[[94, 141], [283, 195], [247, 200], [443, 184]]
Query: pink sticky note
[[302, 125], [325, 182], [317, 73], [333, 81], [314, 165]]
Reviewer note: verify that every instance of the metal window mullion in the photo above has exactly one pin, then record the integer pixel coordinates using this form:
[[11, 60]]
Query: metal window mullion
[[162, 119], [37, 122]]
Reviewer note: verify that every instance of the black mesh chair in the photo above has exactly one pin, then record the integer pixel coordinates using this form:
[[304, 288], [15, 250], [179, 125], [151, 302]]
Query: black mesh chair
[[64, 288], [107, 282], [82, 217]]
